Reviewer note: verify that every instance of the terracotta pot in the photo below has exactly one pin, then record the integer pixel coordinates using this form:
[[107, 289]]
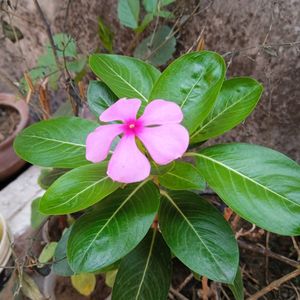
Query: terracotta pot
[[10, 163]]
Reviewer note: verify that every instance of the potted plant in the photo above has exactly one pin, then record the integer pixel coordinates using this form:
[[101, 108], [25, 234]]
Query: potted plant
[[14, 116], [138, 198]]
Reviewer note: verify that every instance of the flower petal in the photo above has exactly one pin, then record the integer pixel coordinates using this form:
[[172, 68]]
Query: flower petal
[[159, 112], [99, 141], [127, 163], [165, 143], [123, 110]]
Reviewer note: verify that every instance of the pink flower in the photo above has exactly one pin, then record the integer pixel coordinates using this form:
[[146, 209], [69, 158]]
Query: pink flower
[[158, 129]]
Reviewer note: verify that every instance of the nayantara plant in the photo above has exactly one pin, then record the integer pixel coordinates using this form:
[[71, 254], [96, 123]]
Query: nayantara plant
[[137, 176]]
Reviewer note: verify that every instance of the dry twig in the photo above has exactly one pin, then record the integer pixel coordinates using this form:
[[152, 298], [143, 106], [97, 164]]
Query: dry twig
[[275, 284], [177, 294], [262, 250], [48, 30]]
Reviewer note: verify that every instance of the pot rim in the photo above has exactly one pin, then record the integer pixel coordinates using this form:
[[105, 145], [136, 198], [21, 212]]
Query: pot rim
[[21, 106]]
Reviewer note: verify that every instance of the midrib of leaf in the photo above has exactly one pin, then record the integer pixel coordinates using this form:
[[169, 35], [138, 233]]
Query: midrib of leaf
[[221, 113], [244, 177], [112, 216], [126, 82], [82, 191], [192, 88], [53, 140], [194, 230], [180, 177], [147, 265]]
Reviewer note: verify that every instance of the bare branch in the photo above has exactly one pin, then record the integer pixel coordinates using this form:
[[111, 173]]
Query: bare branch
[[275, 284]]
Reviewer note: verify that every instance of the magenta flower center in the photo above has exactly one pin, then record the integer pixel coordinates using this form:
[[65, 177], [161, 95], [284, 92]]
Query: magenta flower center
[[132, 126]]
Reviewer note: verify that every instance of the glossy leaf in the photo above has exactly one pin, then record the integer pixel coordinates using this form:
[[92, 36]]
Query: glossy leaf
[[36, 218], [84, 283], [158, 47], [99, 97], [199, 236], [60, 265], [145, 273], [128, 12], [57, 143], [126, 76], [193, 81], [47, 252], [237, 288], [183, 176], [77, 190], [161, 169], [259, 184], [236, 100], [48, 176], [103, 236]]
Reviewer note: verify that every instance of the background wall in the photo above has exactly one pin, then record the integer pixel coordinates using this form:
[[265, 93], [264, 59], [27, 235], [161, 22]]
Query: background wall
[[259, 38]]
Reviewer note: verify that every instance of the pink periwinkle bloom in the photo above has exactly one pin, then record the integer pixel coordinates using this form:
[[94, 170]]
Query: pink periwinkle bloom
[[158, 129]]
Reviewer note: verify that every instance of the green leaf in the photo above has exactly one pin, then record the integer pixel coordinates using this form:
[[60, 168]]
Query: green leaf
[[110, 278], [236, 100], [12, 33], [103, 236], [77, 65], [193, 81], [128, 12], [199, 236], [36, 217], [57, 143], [84, 283], [158, 47], [145, 273], [183, 176], [146, 21], [166, 2], [78, 189], [60, 265], [105, 34], [237, 287], [65, 45], [99, 97], [48, 176], [152, 5], [259, 184], [161, 169], [126, 76], [47, 253], [166, 14]]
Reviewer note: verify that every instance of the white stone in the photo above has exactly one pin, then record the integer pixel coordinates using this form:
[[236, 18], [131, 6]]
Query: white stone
[[16, 198]]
